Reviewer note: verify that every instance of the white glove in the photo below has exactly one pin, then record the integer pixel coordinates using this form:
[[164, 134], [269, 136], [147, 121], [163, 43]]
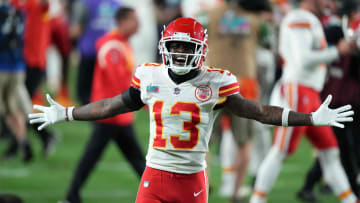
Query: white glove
[[50, 115], [324, 116]]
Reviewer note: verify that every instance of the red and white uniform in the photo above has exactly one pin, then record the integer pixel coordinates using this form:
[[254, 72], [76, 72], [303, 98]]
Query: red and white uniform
[[304, 51], [181, 115], [181, 120]]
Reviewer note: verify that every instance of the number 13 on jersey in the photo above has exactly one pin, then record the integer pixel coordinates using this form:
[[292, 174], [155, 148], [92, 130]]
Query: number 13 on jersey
[[188, 126]]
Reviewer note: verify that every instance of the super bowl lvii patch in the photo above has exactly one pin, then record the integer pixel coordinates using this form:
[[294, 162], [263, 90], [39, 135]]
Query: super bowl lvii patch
[[152, 88]]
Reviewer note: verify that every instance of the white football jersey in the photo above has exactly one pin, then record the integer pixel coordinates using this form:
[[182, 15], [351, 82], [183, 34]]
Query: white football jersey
[[304, 49], [181, 115]]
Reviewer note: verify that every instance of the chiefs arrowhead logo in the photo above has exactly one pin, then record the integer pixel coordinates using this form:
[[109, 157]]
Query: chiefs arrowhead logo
[[203, 93]]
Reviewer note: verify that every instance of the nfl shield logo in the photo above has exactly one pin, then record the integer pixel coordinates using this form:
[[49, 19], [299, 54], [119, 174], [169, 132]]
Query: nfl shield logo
[[176, 90], [203, 93], [146, 183]]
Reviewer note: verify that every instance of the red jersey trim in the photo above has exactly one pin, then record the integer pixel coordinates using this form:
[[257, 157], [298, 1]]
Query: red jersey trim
[[152, 64], [135, 82], [228, 86], [236, 90], [300, 25], [229, 89]]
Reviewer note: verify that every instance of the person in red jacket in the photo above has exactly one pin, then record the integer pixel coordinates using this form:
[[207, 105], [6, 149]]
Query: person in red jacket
[[112, 75]]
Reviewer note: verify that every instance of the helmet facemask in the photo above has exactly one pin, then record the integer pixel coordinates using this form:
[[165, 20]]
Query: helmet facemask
[[185, 61]]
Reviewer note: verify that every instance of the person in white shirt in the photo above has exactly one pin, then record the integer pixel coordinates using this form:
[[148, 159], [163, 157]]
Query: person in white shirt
[[304, 50]]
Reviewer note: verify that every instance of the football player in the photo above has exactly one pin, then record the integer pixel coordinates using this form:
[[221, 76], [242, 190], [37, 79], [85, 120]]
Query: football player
[[304, 49], [181, 95]]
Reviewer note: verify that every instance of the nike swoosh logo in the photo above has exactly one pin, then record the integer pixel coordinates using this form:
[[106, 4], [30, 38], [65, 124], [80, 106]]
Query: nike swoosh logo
[[198, 193]]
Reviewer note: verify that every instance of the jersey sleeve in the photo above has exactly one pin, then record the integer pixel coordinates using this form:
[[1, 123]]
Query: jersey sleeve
[[228, 85], [135, 82], [132, 98], [135, 92]]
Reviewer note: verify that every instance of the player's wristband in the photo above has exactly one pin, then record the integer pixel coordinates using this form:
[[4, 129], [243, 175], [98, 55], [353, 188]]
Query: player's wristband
[[285, 117], [69, 113]]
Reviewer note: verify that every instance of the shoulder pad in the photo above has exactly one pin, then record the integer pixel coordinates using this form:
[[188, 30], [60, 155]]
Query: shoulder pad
[[217, 70]]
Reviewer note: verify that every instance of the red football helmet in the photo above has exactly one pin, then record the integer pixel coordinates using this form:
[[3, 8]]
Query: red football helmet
[[184, 30]]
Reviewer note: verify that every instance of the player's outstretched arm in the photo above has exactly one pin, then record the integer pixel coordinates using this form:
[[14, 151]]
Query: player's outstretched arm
[[93, 111], [323, 116]]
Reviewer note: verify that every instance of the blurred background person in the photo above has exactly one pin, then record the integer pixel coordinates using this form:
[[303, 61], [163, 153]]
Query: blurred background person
[[15, 102], [90, 19], [304, 50], [343, 74], [36, 40], [112, 75]]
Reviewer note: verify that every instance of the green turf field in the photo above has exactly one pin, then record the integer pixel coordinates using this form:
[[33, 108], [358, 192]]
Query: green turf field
[[46, 180]]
